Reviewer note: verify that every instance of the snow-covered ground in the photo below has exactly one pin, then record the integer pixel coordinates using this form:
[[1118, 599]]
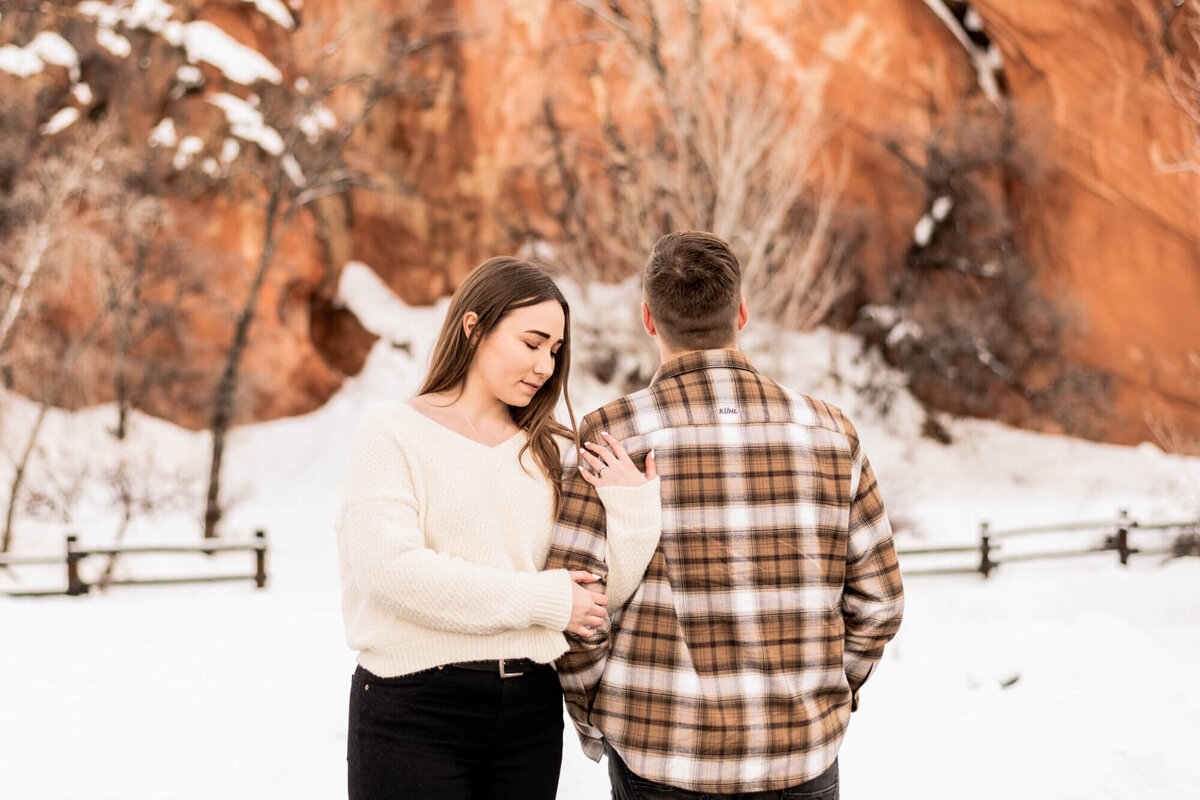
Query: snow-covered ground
[[1050, 680]]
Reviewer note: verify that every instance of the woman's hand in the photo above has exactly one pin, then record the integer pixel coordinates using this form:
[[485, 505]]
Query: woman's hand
[[611, 465], [587, 609]]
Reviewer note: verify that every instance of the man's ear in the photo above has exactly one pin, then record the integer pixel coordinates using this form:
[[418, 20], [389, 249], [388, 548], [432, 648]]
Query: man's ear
[[469, 321], [743, 314], [647, 320]]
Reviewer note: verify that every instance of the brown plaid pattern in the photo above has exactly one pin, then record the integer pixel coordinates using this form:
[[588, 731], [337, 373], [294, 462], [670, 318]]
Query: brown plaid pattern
[[775, 587]]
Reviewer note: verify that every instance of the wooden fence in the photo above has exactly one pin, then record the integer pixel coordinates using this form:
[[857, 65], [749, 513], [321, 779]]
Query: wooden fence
[[1107, 536], [74, 555]]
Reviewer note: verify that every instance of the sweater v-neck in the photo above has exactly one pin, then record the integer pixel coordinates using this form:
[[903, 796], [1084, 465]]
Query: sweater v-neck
[[463, 437]]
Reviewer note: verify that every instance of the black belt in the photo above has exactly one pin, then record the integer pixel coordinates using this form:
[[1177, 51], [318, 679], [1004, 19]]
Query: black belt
[[504, 667]]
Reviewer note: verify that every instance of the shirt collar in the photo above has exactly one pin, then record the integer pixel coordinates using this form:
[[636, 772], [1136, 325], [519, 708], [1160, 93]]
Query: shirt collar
[[701, 360]]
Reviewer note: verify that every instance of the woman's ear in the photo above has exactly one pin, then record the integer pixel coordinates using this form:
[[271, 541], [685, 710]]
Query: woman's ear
[[469, 321]]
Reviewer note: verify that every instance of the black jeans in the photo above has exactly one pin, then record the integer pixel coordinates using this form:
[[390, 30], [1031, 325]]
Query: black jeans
[[628, 786], [455, 734]]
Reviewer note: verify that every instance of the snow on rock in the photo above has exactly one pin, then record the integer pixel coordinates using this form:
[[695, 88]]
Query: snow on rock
[[994, 58], [246, 122], [276, 11], [377, 307], [204, 41], [63, 119]]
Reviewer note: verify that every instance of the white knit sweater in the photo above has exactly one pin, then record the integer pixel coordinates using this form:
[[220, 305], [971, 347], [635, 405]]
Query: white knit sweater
[[441, 543]]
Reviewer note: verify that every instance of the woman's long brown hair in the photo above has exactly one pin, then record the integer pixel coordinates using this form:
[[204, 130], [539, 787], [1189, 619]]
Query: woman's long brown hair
[[495, 288]]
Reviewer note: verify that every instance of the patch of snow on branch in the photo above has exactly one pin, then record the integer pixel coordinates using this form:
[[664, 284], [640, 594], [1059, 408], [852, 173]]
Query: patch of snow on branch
[[204, 41], [62, 120], [164, 134], [151, 15], [886, 316], [292, 167], [46, 48], [941, 207], [20, 61], [923, 231], [189, 75], [54, 49], [113, 42], [903, 331], [246, 122], [188, 149], [276, 11], [318, 119], [229, 151]]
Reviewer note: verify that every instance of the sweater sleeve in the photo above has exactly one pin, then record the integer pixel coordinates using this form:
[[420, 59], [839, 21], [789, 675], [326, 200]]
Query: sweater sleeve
[[634, 525], [384, 551]]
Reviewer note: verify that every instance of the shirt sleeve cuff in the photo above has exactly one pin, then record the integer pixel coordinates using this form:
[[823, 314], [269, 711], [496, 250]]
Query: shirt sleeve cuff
[[632, 508]]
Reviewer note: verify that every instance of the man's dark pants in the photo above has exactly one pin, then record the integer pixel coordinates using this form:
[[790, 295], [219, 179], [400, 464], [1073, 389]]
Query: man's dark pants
[[628, 786]]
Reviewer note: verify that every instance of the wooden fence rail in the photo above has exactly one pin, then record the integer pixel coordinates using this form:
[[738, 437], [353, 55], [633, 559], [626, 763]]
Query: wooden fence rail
[[74, 555], [1116, 539]]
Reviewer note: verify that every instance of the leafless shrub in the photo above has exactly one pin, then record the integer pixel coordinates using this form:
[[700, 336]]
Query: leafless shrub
[[1171, 29], [308, 168], [966, 321], [698, 134]]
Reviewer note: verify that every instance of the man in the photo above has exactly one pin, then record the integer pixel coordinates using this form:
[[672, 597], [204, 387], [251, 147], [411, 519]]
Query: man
[[734, 668]]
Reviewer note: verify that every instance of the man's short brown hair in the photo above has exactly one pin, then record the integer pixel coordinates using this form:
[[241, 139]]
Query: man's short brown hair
[[692, 286]]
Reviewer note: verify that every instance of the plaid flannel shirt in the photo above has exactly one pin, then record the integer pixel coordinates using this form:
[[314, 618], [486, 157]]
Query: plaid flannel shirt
[[735, 665]]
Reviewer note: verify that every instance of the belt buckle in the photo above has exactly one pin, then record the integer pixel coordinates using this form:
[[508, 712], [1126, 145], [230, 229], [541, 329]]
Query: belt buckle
[[506, 674]]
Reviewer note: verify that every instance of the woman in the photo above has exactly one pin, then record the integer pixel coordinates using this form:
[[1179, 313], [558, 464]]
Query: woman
[[449, 505]]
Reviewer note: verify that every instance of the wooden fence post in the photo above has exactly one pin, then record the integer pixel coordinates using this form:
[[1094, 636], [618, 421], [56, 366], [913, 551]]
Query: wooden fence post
[[986, 565], [75, 584], [1122, 542], [260, 559]]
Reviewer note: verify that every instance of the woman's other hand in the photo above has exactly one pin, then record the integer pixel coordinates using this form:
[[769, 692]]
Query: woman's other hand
[[587, 609], [612, 466]]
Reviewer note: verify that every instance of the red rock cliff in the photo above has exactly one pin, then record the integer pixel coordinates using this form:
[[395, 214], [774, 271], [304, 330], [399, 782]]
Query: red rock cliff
[[457, 161]]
